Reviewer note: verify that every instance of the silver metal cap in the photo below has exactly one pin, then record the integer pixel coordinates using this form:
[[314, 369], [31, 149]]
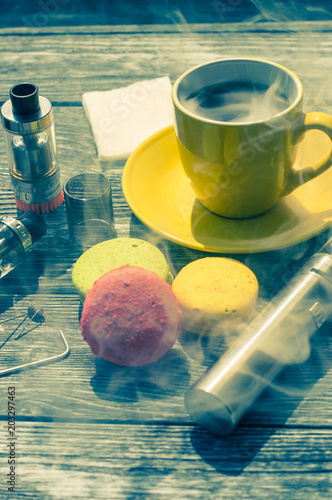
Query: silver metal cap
[[34, 123]]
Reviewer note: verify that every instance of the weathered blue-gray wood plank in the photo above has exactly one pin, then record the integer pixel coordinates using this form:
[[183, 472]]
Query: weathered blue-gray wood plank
[[121, 461], [86, 428]]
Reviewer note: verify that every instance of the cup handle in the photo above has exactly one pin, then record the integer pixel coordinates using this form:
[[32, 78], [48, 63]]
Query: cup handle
[[318, 121]]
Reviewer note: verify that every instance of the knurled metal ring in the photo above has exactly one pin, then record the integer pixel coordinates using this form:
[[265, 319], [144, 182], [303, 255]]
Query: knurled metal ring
[[19, 229]]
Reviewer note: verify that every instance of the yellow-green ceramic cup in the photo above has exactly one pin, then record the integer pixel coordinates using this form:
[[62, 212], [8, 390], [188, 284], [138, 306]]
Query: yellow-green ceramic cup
[[241, 168]]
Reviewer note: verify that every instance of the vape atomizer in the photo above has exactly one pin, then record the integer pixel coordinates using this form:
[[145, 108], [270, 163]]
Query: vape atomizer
[[17, 237], [30, 139]]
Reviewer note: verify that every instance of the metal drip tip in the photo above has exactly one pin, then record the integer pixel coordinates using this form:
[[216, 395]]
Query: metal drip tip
[[24, 98]]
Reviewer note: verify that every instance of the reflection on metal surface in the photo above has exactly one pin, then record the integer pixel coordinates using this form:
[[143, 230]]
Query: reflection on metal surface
[[279, 336]]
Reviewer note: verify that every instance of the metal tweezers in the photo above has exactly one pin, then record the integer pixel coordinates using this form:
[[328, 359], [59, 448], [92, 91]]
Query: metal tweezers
[[38, 362]]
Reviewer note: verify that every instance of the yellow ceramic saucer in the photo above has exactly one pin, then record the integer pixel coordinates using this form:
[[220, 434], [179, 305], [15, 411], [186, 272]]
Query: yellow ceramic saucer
[[159, 194]]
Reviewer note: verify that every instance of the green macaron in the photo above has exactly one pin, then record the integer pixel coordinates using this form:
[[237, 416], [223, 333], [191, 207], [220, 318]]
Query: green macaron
[[114, 253]]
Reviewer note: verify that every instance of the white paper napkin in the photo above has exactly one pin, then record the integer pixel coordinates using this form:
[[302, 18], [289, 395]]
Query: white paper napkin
[[122, 118]]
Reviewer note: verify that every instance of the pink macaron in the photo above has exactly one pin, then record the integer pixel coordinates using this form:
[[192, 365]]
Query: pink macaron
[[131, 317]]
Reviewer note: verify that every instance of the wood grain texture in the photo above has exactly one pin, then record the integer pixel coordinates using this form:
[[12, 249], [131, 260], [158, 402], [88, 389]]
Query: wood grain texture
[[98, 61], [216, 27], [122, 461], [87, 428], [86, 388], [78, 12]]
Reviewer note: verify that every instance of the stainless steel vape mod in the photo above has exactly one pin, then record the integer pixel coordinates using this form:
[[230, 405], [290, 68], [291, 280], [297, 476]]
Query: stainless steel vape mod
[[280, 335]]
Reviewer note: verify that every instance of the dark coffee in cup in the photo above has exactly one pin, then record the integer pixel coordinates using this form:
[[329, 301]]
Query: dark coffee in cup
[[236, 101], [238, 123]]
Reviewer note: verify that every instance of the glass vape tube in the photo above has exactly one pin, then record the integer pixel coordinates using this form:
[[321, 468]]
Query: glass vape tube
[[17, 237]]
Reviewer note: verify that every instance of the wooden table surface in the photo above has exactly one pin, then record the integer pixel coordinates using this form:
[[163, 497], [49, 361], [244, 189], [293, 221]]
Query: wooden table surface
[[86, 429]]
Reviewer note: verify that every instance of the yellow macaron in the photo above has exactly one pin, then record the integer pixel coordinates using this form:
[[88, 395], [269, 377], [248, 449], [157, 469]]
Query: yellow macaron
[[216, 295]]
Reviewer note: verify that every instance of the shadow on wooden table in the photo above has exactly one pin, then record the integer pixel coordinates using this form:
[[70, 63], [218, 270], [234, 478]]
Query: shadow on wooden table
[[233, 454], [281, 406], [154, 381], [44, 271], [21, 281], [277, 409], [273, 268]]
